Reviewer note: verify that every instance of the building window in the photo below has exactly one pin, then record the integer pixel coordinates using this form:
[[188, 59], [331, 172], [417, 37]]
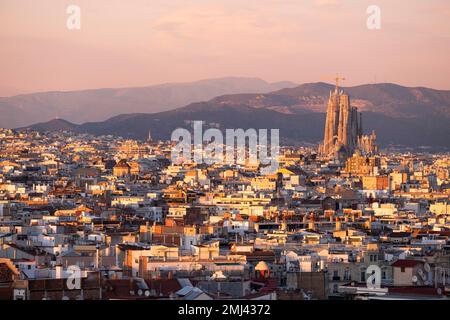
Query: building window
[[335, 288], [383, 275], [336, 276], [363, 276], [402, 269], [347, 275]]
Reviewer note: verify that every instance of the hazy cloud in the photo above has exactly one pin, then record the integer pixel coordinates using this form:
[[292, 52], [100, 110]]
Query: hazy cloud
[[145, 42]]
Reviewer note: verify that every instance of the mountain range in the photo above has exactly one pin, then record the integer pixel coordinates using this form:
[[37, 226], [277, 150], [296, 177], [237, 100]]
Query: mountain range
[[400, 115], [101, 104]]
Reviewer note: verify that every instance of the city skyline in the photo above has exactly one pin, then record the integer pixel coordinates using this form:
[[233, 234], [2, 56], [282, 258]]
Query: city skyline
[[124, 177]]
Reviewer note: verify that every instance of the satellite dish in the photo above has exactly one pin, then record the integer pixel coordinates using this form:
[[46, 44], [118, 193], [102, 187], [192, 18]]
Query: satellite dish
[[439, 291], [140, 292], [147, 293], [415, 279], [427, 267], [132, 292]]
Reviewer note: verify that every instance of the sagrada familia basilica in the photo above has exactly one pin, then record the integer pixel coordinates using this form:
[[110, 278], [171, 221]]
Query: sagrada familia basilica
[[343, 129]]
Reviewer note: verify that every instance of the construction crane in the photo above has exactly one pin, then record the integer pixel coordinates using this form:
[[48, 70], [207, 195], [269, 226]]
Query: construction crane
[[337, 79]]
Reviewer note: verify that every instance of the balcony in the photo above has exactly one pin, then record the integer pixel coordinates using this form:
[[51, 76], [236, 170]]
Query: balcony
[[387, 282]]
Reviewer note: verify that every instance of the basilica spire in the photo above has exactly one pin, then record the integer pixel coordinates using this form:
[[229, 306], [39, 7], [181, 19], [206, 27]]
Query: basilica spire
[[343, 127]]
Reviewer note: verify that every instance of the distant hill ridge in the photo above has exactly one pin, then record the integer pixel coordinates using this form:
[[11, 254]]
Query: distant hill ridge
[[399, 115], [101, 104]]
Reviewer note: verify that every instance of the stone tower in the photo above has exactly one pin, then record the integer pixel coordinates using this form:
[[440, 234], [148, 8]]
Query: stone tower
[[343, 128]]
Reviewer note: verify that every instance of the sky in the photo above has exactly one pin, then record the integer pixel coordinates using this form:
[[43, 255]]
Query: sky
[[145, 42]]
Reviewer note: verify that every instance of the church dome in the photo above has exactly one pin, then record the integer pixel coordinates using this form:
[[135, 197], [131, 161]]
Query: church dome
[[122, 164], [262, 266]]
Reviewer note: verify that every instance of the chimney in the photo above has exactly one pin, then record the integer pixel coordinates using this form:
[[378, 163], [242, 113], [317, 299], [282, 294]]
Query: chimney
[[58, 272], [338, 224], [390, 184], [312, 222], [369, 223], [117, 254]]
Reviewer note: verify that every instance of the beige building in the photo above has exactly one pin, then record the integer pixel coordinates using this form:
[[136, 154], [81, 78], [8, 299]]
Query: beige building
[[122, 169], [408, 272]]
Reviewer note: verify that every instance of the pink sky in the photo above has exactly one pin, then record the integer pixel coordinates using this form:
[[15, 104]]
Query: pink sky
[[144, 42]]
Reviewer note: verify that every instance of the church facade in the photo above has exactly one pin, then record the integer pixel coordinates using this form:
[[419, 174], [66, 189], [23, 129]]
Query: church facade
[[343, 133]]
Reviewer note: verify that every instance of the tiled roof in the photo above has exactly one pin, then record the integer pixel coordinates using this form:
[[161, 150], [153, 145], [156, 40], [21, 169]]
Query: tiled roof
[[406, 263]]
